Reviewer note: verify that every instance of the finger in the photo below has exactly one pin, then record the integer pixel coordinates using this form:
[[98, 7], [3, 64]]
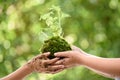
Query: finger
[[40, 56], [52, 61], [46, 54], [45, 63], [56, 67], [62, 62], [74, 48], [59, 62], [63, 54]]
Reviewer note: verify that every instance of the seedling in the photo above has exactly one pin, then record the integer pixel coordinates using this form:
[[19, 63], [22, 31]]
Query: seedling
[[53, 34]]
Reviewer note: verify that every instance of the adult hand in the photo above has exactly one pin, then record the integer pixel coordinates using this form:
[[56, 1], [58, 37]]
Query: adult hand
[[42, 64], [71, 58]]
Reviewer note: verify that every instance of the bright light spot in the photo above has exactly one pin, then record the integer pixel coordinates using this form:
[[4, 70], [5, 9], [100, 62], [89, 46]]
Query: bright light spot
[[11, 25], [6, 44], [46, 76], [38, 1], [41, 1], [31, 3], [113, 4], [0, 10], [93, 1], [13, 17], [84, 13], [43, 77], [10, 9], [71, 38], [84, 44], [100, 37]]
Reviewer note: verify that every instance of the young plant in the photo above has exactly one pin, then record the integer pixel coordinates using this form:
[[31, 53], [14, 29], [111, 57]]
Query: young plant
[[53, 34]]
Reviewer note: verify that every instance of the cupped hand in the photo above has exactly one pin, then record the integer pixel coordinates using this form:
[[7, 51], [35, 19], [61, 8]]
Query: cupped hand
[[42, 64], [71, 58]]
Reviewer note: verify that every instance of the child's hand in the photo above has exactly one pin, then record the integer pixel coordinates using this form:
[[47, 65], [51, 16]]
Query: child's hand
[[71, 58]]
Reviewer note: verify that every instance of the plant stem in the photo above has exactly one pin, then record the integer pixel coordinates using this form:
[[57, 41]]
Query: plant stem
[[59, 18], [59, 21]]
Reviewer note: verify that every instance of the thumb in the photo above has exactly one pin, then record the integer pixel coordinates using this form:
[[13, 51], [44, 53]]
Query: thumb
[[62, 54]]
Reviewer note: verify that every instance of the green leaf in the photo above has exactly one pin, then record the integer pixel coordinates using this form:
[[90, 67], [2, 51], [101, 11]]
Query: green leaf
[[53, 21]]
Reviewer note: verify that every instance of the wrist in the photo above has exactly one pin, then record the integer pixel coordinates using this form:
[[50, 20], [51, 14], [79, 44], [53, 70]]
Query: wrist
[[81, 58], [28, 67], [19, 74]]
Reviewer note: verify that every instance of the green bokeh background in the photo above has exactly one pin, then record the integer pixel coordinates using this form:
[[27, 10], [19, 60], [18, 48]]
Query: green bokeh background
[[94, 26]]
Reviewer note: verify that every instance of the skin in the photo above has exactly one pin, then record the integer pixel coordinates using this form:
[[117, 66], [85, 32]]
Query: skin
[[108, 67], [39, 64]]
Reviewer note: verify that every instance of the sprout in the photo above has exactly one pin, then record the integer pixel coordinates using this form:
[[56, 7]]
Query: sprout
[[53, 34]]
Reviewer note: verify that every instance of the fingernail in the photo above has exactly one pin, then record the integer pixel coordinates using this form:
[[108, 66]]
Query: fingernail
[[56, 54]]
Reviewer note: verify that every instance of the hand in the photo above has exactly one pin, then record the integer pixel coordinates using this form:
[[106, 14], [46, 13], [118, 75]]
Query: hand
[[71, 58], [42, 64]]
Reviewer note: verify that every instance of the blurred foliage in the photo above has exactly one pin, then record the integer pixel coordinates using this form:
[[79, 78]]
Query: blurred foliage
[[94, 26]]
